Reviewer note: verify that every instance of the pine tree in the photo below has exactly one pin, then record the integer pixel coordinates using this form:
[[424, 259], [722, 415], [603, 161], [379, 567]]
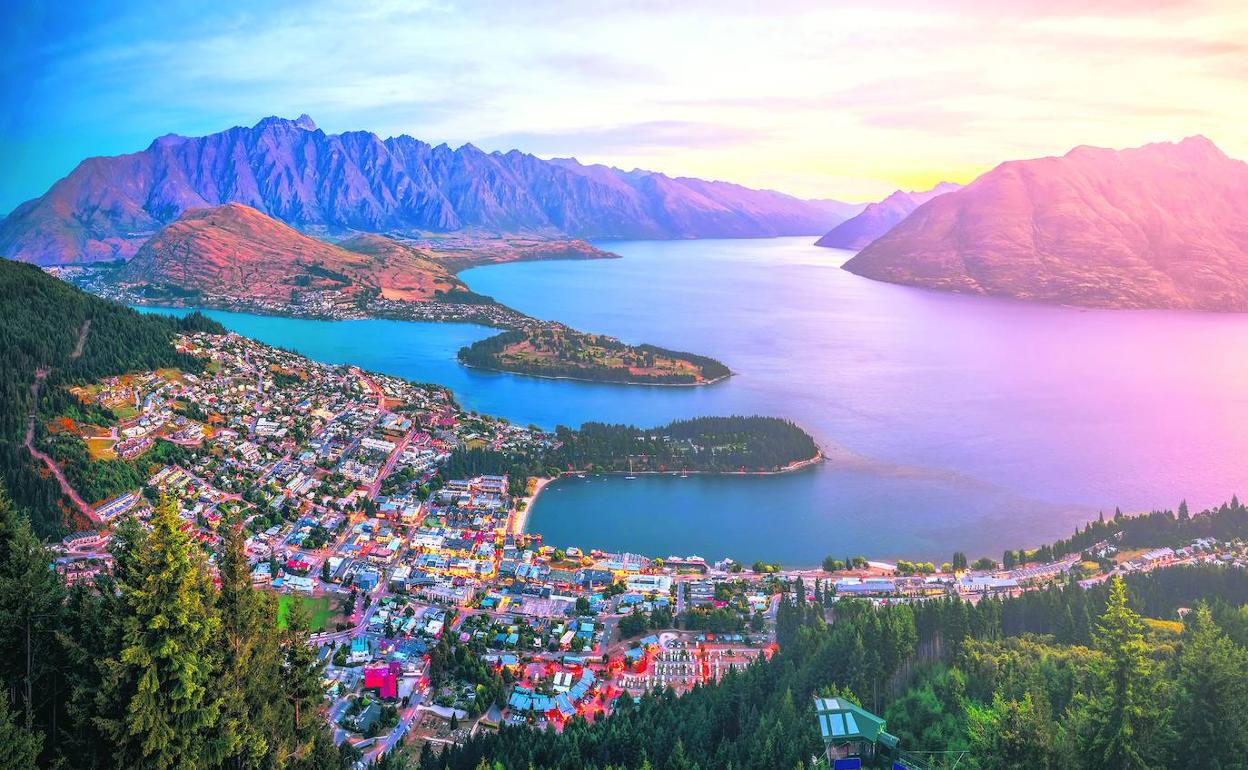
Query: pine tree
[[1011, 734], [1211, 712], [31, 597], [19, 747], [1125, 718], [301, 682], [427, 759], [161, 674], [243, 684]]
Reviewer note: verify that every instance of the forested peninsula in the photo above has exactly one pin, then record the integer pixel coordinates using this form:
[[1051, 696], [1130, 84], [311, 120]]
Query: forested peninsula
[[560, 352], [700, 445]]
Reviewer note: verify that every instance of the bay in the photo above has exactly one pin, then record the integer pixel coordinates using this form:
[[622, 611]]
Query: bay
[[951, 422]]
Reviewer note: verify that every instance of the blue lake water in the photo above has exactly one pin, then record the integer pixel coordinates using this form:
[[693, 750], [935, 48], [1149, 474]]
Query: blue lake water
[[952, 422]]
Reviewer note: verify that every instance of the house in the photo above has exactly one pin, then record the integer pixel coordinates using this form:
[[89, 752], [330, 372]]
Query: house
[[366, 580], [367, 718], [301, 583], [384, 679], [360, 652]]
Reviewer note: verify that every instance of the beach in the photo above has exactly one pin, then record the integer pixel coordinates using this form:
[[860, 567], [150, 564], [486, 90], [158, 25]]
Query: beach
[[521, 518]]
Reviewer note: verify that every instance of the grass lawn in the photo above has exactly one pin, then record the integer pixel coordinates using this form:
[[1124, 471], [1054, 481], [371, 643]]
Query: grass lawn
[[1129, 554], [101, 448], [319, 607]]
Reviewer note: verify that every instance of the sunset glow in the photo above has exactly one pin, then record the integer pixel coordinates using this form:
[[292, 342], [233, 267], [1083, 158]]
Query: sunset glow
[[848, 100]]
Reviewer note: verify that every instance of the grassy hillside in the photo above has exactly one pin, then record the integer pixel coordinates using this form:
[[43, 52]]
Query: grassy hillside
[[43, 323]]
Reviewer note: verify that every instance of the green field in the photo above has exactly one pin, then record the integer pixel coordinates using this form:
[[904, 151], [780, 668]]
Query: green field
[[319, 607]]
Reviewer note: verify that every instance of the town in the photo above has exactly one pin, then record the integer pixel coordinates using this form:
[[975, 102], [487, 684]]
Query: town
[[436, 613]]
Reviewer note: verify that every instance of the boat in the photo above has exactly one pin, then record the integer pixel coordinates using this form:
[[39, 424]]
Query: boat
[[630, 477]]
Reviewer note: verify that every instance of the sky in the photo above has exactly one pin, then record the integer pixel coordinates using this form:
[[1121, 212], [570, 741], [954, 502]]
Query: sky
[[846, 100]]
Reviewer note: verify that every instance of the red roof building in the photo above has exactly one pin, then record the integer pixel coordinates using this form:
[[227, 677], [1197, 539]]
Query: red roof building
[[384, 679]]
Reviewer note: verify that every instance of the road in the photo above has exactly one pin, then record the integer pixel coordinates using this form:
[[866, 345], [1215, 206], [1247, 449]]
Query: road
[[375, 487], [407, 717], [41, 373]]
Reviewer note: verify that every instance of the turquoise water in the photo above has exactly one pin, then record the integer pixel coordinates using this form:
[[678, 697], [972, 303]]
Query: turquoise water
[[953, 422]]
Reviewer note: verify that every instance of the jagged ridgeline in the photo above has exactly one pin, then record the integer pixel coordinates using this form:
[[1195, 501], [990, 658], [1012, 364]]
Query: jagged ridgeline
[[43, 324]]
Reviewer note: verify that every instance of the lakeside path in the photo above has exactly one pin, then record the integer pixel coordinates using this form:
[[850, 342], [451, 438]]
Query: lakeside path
[[520, 519]]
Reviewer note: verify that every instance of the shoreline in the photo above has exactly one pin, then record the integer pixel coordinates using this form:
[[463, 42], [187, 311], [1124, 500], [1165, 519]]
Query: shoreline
[[593, 382], [268, 312], [521, 519]]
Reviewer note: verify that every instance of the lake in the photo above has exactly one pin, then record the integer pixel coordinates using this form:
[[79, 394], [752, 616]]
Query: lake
[[952, 422]]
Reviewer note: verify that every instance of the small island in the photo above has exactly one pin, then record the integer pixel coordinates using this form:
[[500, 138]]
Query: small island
[[554, 350]]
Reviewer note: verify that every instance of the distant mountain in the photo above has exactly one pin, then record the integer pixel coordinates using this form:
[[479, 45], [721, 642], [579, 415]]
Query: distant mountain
[[1159, 226], [878, 218], [356, 181], [839, 209], [234, 252]]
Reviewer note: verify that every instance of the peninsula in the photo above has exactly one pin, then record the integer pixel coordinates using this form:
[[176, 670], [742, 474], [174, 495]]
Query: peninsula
[[232, 257]]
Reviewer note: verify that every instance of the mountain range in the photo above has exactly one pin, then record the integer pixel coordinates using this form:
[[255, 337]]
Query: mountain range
[[358, 182], [1158, 226], [878, 218]]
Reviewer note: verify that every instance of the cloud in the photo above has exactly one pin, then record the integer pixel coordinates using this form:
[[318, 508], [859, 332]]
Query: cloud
[[624, 139], [809, 96]]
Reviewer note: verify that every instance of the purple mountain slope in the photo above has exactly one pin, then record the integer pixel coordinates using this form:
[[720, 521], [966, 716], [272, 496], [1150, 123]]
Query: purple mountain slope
[[879, 218], [356, 181]]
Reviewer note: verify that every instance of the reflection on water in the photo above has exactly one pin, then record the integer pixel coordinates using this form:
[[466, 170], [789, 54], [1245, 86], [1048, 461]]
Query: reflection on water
[[951, 422]]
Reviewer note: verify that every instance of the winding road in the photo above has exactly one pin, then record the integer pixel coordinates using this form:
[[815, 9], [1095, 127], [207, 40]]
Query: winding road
[[41, 374]]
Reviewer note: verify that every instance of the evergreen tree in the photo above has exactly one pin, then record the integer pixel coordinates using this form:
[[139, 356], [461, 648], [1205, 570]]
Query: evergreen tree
[[301, 683], [31, 597], [243, 684], [19, 747], [1124, 718], [161, 674], [1011, 735], [1211, 709]]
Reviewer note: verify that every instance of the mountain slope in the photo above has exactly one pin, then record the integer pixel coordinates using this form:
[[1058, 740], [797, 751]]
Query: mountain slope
[[235, 252], [878, 218], [55, 335], [1159, 226], [356, 181], [839, 209]]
